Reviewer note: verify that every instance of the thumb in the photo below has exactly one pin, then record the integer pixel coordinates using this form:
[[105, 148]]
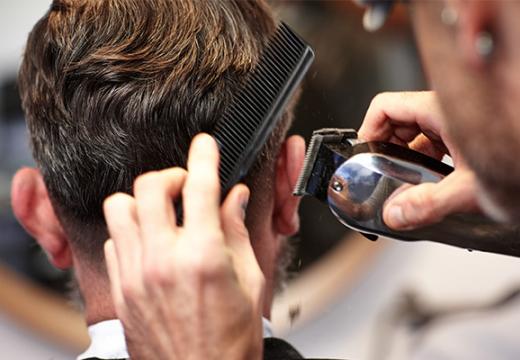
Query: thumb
[[236, 234], [429, 203], [238, 241], [232, 214]]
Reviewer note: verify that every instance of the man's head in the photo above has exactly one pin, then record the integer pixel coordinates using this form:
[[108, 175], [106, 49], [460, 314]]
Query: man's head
[[470, 52], [478, 85], [114, 88]]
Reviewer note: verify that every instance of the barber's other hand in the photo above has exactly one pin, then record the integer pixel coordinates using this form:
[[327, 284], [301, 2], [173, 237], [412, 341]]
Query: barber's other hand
[[185, 292], [415, 120]]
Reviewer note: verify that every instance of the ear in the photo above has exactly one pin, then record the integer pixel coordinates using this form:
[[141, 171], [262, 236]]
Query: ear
[[289, 163], [475, 18], [33, 209]]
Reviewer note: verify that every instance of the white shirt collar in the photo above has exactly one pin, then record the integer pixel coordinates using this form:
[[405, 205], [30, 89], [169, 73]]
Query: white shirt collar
[[107, 340]]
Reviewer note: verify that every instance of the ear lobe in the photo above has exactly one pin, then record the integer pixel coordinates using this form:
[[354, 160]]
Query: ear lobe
[[33, 209], [289, 164]]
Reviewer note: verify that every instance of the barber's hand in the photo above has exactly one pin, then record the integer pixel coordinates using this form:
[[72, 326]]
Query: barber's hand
[[415, 120], [185, 292]]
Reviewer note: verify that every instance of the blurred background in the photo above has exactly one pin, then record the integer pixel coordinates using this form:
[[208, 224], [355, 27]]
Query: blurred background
[[347, 297]]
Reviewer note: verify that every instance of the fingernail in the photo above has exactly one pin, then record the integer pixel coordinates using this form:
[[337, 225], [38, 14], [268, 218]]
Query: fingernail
[[396, 217], [204, 140], [245, 202]]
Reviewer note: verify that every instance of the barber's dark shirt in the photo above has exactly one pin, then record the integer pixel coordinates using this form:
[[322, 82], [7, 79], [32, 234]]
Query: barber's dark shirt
[[274, 349]]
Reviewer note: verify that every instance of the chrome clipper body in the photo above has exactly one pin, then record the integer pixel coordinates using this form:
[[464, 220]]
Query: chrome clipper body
[[355, 179]]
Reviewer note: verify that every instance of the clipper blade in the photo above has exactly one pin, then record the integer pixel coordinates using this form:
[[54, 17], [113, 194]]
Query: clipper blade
[[319, 163], [308, 163]]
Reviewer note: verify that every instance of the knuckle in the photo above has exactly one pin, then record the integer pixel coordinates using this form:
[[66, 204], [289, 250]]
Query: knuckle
[[114, 201], [379, 99], [237, 226], [175, 171], [130, 290], [202, 184], [157, 274], [208, 268], [147, 205], [241, 230], [116, 219], [203, 260], [424, 204], [172, 176], [146, 181]]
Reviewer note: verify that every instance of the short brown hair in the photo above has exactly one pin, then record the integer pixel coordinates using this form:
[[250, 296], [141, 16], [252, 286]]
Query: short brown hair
[[115, 88]]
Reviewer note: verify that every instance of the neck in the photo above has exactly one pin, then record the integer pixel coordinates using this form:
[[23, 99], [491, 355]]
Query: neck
[[95, 290], [94, 284]]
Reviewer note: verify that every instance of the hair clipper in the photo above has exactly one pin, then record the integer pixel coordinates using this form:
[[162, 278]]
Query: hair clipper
[[355, 178]]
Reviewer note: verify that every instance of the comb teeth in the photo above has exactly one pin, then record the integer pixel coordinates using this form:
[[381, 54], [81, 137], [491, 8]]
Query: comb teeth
[[256, 108]]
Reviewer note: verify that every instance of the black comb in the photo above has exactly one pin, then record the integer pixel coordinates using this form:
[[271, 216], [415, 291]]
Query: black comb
[[257, 107]]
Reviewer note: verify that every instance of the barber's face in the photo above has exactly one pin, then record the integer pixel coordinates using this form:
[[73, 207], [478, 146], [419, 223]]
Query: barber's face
[[481, 100]]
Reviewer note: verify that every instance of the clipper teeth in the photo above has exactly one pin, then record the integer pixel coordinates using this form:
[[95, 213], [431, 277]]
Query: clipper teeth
[[308, 164], [319, 138]]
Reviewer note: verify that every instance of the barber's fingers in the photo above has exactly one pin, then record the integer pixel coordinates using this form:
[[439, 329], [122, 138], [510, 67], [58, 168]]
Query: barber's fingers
[[121, 219], [428, 203], [201, 192], [233, 214], [400, 116], [238, 241], [425, 145], [154, 194]]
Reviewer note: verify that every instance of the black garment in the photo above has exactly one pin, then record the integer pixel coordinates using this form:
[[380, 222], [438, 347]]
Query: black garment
[[278, 349], [274, 349]]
